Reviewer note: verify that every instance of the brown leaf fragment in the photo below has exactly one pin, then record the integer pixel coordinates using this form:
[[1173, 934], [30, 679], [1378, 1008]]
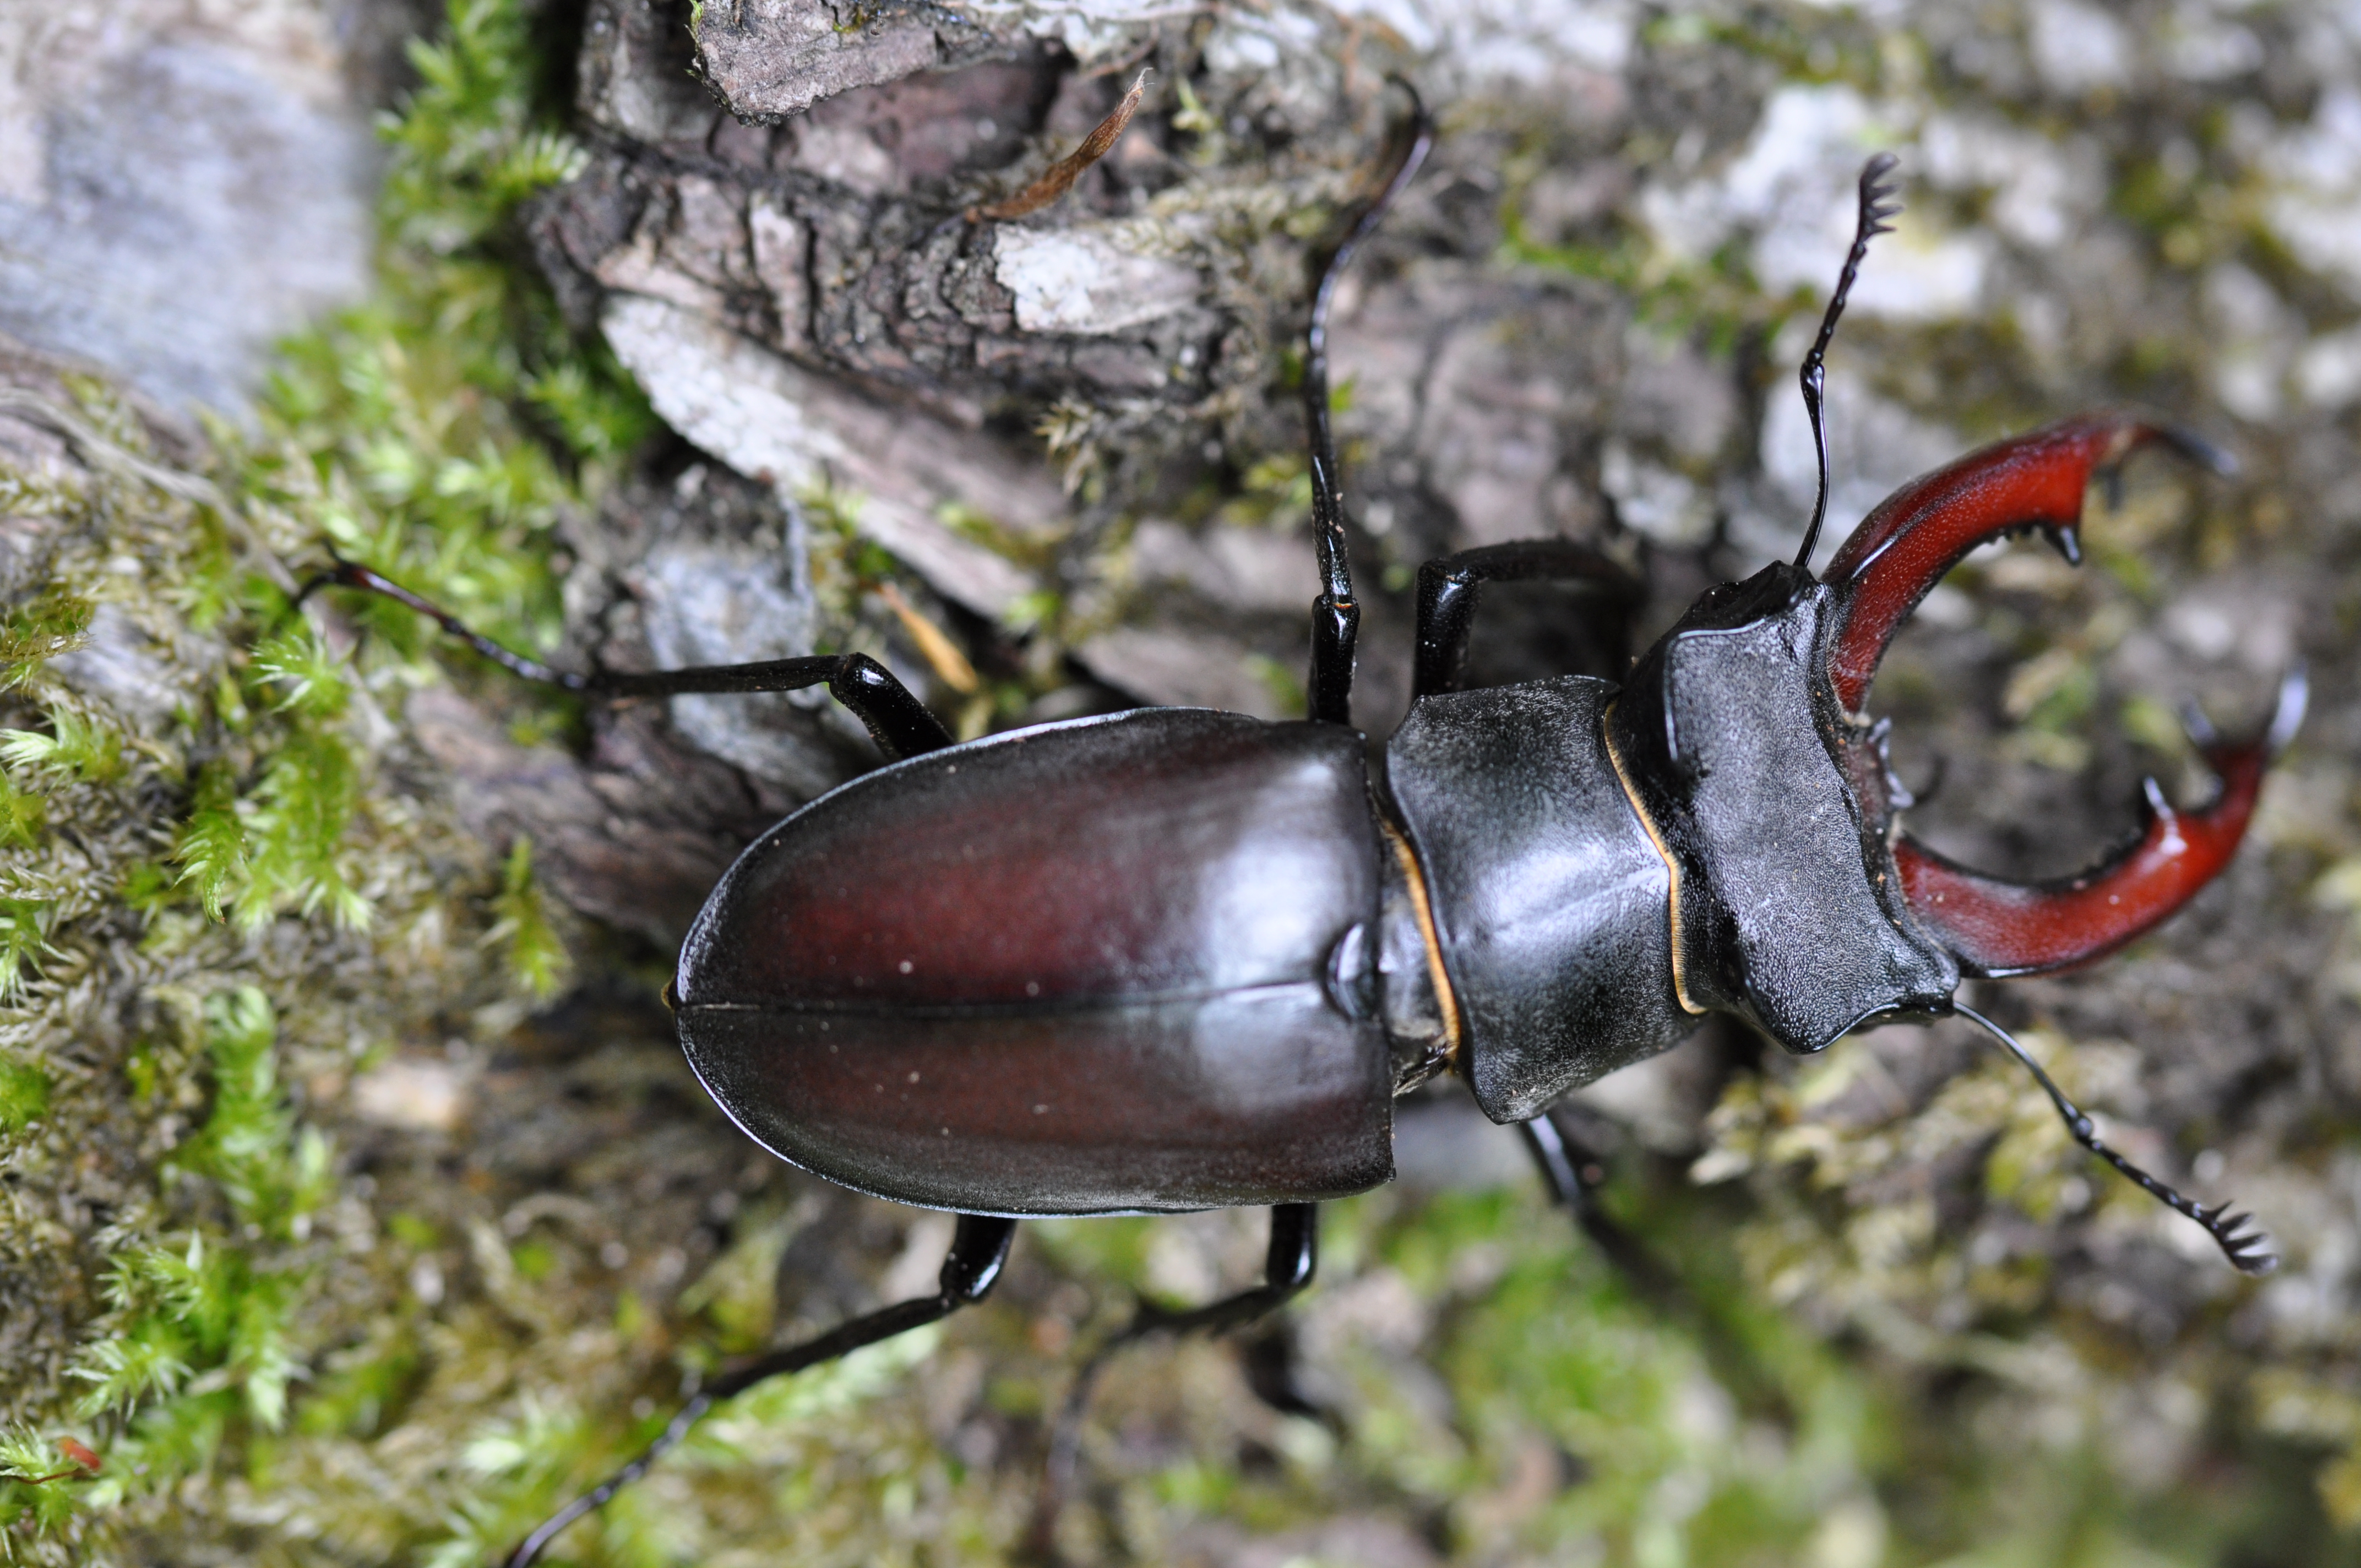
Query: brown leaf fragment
[[85, 1463], [942, 654], [1059, 177]]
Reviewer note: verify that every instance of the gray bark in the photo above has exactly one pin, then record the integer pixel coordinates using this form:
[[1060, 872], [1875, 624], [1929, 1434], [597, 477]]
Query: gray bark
[[788, 274]]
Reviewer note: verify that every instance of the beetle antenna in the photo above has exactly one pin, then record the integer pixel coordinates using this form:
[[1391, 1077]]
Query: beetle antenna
[[2230, 1230], [1877, 205]]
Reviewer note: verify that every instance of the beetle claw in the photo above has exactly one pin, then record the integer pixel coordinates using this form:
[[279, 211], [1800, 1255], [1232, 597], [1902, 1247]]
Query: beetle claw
[[1998, 927], [1899, 551], [1904, 547]]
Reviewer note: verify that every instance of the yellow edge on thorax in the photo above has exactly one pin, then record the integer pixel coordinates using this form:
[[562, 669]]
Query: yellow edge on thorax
[[1664, 851], [1441, 977]]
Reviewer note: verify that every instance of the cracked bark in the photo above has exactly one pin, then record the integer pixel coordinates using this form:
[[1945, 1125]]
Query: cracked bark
[[777, 251], [796, 288]]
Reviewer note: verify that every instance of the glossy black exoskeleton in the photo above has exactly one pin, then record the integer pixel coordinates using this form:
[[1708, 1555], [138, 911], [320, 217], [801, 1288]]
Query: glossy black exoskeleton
[[1178, 958]]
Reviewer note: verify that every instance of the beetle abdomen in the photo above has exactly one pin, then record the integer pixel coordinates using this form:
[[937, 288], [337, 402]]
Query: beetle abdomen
[[1073, 969]]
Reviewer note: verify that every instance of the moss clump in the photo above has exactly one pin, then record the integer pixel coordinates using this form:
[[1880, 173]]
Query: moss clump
[[224, 888], [154, 1219]]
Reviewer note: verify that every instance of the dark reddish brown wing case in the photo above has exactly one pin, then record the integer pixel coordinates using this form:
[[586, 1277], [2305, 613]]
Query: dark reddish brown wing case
[[1073, 969]]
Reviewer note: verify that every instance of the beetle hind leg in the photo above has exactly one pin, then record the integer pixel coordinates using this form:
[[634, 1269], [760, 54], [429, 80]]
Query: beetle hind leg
[[894, 717], [979, 1251]]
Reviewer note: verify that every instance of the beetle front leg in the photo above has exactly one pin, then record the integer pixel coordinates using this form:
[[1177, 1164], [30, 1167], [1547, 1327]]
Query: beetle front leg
[[894, 717], [1447, 597], [979, 1252], [1335, 614]]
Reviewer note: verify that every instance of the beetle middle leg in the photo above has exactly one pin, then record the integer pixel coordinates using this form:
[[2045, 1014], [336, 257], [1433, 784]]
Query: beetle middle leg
[[1573, 1175], [979, 1252], [1287, 1269], [894, 717]]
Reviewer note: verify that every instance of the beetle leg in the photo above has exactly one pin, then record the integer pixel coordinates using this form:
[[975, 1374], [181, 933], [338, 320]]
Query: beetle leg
[[1901, 550], [979, 1251], [1287, 1271], [895, 719], [1573, 1175], [1998, 927], [1447, 597], [1335, 614]]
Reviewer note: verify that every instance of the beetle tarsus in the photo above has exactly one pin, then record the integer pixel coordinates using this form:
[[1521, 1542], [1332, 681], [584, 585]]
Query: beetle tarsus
[[979, 1252], [344, 574], [2242, 1245]]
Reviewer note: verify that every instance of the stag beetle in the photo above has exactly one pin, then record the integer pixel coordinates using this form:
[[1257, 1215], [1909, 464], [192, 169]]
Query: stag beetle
[[1177, 959]]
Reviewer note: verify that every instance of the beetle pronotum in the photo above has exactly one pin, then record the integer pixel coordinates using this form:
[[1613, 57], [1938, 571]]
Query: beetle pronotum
[[1172, 959]]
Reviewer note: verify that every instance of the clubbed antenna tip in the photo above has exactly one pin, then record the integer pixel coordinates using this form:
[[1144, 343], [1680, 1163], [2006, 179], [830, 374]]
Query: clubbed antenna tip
[[1877, 205], [2232, 1231]]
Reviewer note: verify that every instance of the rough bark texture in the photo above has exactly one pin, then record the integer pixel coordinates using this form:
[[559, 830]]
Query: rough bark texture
[[1545, 339]]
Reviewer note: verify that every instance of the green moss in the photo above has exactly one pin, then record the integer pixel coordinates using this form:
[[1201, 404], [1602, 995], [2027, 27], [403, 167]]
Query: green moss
[[249, 883], [31, 634], [258, 905], [24, 1096], [537, 958], [77, 748]]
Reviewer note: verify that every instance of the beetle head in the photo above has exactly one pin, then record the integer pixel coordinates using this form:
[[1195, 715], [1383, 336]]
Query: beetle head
[[1786, 910]]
